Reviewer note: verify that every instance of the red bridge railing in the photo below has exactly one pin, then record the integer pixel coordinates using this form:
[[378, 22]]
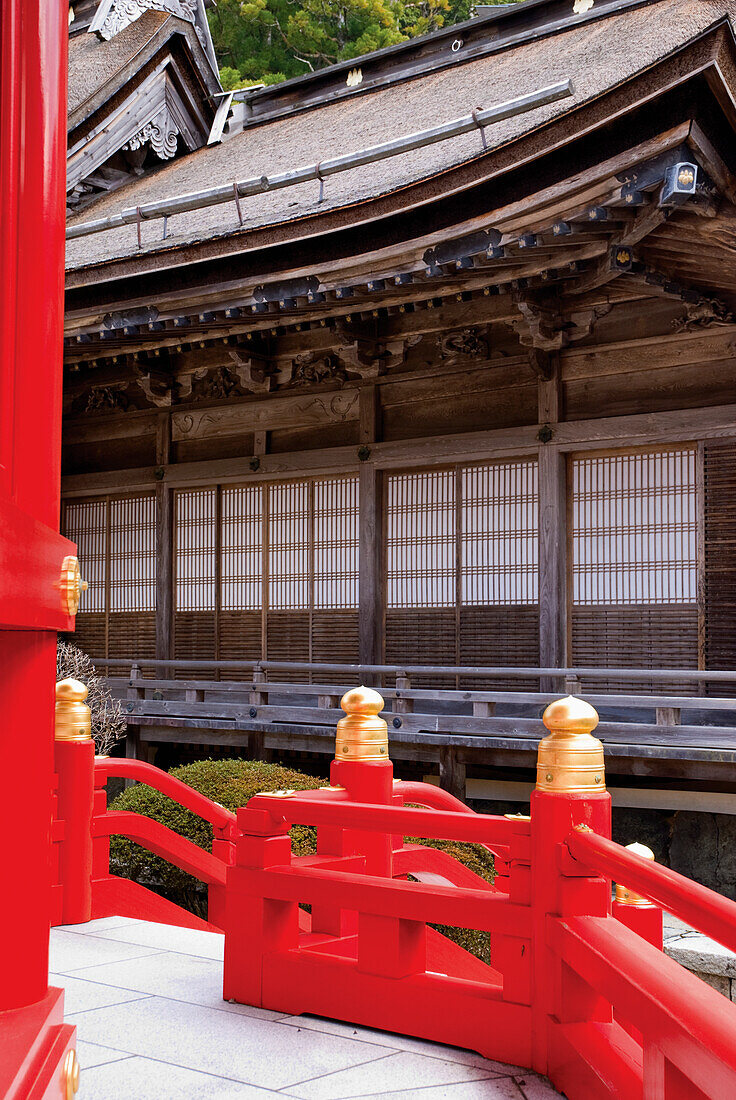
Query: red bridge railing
[[577, 986], [82, 827]]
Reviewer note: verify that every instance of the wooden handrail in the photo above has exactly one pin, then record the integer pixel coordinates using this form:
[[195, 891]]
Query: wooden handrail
[[186, 796], [654, 675], [162, 841], [708, 912]]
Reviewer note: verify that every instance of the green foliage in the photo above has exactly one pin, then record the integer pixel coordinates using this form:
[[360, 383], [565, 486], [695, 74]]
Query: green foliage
[[266, 41], [232, 783]]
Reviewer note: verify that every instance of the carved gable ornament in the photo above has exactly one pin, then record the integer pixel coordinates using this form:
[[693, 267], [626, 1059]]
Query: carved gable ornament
[[113, 15], [161, 133]]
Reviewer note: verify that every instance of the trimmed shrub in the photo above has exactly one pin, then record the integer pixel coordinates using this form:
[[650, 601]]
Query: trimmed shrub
[[232, 783]]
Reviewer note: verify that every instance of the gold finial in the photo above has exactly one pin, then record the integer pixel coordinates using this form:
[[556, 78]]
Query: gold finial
[[73, 719], [361, 735], [70, 1075], [627, 897], [570, 758], [71, 584]]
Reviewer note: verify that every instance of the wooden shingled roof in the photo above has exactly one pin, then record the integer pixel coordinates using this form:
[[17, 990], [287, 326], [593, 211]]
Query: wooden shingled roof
[[598, 55]]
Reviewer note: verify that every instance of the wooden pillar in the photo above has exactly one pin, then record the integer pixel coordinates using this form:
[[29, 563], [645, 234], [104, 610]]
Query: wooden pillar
[[552, 473], [370, 543], [164, 544]]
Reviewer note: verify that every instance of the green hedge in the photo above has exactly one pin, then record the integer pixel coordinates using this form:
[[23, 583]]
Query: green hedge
[[232, 783]]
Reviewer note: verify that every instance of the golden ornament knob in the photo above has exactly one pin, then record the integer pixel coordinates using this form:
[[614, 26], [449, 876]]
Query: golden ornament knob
[[73, 718], [627, 897], [361, 735], [70, 1075], [71, 584], [570, 758]]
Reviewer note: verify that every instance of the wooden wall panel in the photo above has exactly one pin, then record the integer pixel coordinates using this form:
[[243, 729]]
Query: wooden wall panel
[[195, 635], [422, 636], [637, 636], [287, 635], [240, 638], [132, 632], [335, 636], [499, 635], [90, 634]]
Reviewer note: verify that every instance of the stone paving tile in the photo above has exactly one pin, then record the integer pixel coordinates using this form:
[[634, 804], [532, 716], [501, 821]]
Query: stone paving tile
[[188, 978], [81, 995], [155, 1025], [103, 923], [402, 1042], [536, 1088], [91, 1055], [241, 1048], [490, 1088], [69, 951], [147, 1079], [396, 1072], [188, 941]]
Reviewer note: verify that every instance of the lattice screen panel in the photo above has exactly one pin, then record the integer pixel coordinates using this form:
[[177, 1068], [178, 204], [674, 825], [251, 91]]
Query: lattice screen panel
[[195, 560], [634, 563], [116, 540], [462, 566], [268, 570], [719, 560]]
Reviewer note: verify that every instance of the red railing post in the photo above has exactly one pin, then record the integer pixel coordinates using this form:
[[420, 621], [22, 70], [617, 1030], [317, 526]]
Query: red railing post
[[388, 947], [256, 925], [74, 759], [570, 792], [222, 848]]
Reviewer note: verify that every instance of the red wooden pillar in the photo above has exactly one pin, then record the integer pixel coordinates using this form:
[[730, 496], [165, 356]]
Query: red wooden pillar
[[33, 604]]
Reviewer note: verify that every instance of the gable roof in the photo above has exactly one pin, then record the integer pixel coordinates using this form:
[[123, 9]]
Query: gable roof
[[100, 69]]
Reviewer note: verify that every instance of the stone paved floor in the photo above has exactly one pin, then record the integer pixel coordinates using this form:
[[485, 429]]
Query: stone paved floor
[[152, 1025]]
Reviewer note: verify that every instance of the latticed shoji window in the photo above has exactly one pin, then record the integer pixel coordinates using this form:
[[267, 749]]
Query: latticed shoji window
[[634, 560], [116, 540], [268, 570], [462, 565]]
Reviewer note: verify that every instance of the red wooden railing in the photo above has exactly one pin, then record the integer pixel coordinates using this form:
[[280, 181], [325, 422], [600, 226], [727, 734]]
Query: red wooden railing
[[576, 988], [81, 833]]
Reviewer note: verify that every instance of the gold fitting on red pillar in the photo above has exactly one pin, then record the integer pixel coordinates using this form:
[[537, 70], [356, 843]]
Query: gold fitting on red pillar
[[625, 896], [361, 735], [73, 718], [570, 759]]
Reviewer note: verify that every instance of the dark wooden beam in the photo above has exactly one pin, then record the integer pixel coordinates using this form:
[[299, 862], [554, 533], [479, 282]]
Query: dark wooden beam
[[164, 543], [552, 475], [370, 539]]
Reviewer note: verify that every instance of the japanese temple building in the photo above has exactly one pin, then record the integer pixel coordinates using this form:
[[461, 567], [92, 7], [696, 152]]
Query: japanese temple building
[[471, 403]]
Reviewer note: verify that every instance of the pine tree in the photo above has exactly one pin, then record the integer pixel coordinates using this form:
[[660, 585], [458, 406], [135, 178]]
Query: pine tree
[[266, 41]]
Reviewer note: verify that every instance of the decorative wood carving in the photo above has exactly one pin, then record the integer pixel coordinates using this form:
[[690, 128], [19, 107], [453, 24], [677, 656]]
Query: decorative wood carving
[[314, 368], [539, 326], [120, 13], [277, 412], [161, 133], [704, 313], [243, 376], [106, 398], [156, 385], [467, 343], [367, 356]]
